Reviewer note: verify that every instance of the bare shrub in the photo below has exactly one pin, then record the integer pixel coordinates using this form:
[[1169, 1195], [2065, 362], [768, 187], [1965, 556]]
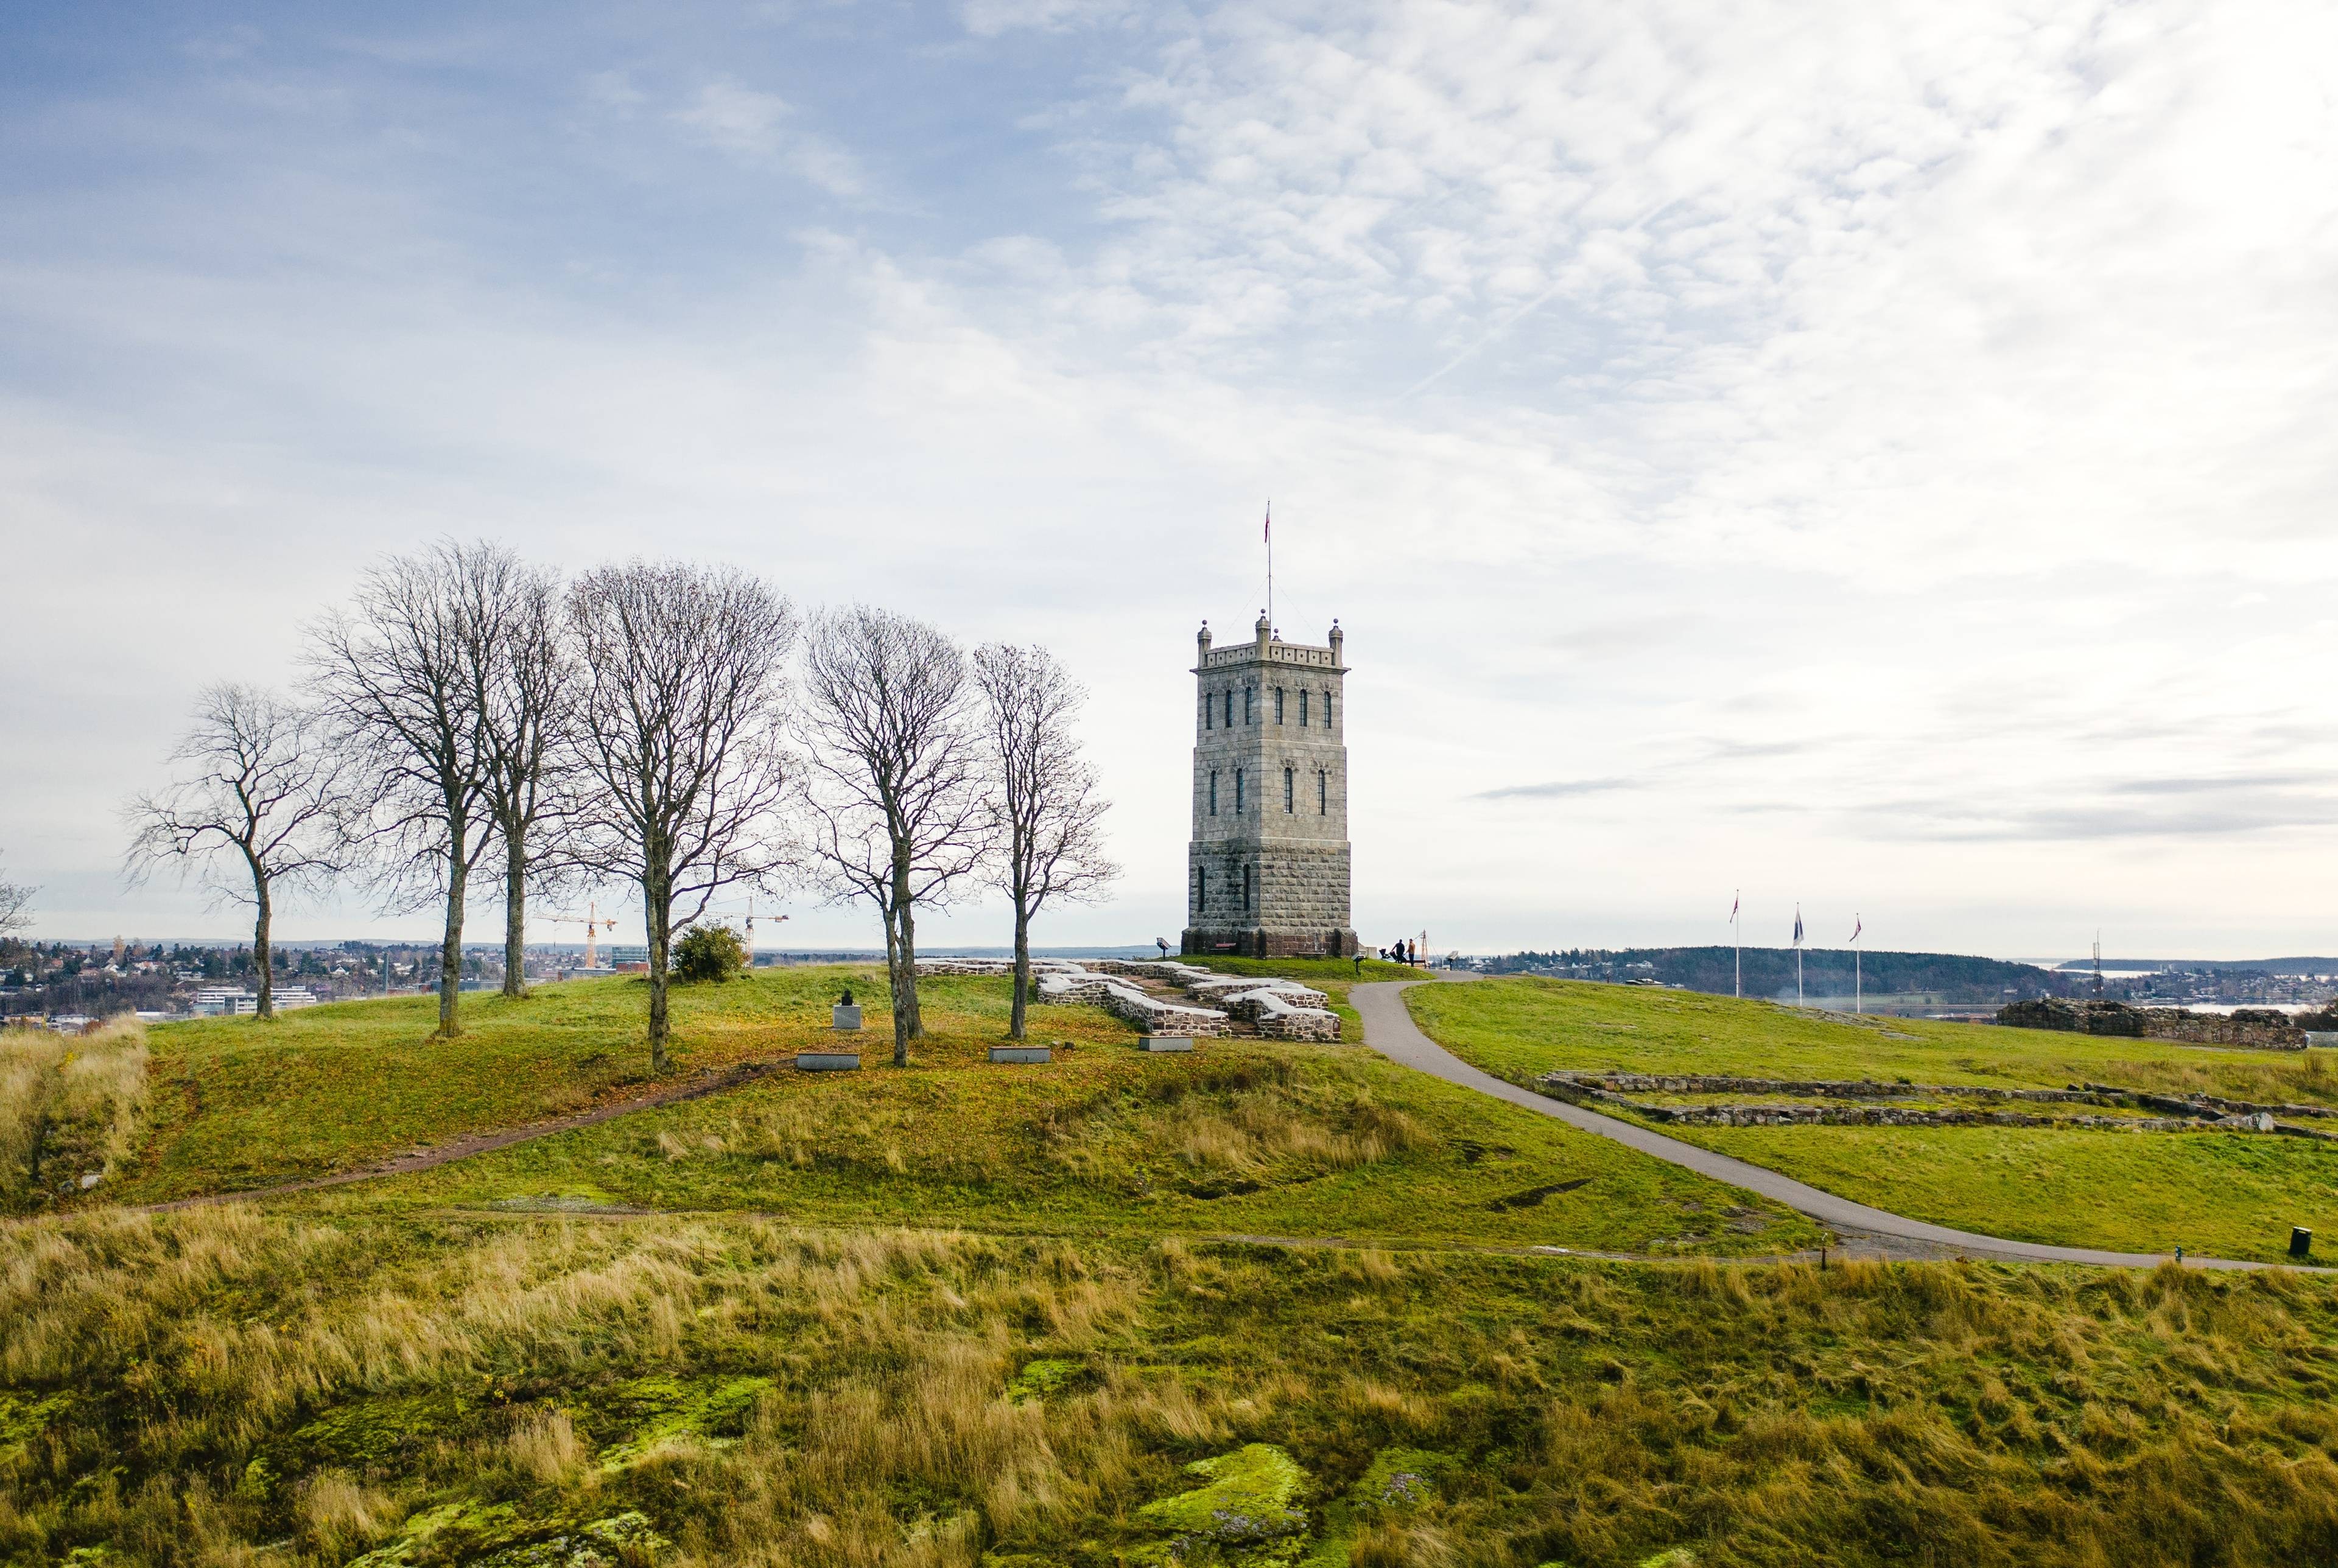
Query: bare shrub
[[339, 1514]]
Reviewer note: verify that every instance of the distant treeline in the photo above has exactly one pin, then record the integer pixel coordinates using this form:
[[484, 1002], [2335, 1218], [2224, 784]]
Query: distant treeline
[[1827, 972]]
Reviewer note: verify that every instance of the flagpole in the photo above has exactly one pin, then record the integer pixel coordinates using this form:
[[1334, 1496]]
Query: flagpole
[[1737, 941], [1270, 567], [1857, 983], [1798, 955]]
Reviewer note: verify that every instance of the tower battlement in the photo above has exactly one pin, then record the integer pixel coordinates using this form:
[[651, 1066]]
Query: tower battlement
[[1267, 868]]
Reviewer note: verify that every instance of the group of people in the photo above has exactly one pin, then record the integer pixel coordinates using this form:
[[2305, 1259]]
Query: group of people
[[1402, 953]]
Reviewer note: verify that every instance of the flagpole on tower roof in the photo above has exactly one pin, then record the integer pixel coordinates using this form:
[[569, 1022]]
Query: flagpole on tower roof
[[1270, 566]]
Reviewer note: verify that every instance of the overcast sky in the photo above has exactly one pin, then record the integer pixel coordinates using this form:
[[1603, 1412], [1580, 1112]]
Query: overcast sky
[[1878, 455]]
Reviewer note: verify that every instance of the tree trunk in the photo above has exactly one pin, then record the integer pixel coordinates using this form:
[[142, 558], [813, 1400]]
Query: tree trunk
[[514, 911], [905, 1004], [261, 961], [658, 919], [893, 984], [450, 950], [1022, 966], [906, 1017]]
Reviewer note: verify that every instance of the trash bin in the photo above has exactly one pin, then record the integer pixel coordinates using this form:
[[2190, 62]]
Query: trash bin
[[2301, 1241]]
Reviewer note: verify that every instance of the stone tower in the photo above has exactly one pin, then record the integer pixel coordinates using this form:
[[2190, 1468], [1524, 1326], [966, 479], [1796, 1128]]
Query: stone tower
[[1266, 875]]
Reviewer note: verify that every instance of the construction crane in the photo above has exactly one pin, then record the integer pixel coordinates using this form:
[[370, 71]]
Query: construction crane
[[593, 922]]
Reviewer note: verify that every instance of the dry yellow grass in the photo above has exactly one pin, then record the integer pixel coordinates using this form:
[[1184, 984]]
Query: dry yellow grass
[[68, 1110], [765, 1395]]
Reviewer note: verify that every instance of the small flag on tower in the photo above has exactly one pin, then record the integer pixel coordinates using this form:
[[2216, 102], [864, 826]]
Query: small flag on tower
[[1798, 924], [1857, 926], [1268, 536]]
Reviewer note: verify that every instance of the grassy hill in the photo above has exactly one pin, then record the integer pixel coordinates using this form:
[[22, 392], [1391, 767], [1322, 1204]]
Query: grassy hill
[[975, 1317], [2227, 1194]]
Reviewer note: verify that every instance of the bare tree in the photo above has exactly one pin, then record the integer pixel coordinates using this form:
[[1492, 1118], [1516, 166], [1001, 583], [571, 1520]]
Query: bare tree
[[895, 791], [681, 739], [256, 811], [1047, 815], [16, 908], [522, 682], [393, 678]]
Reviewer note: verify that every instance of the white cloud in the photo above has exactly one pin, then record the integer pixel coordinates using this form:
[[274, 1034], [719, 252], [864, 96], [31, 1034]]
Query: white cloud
[[762, 127], [1876, 456]]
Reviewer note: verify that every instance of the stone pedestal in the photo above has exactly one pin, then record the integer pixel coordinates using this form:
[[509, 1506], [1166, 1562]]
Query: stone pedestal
[[828, 1061], [1164, 1042], [848, 1017], [1021, 1054]]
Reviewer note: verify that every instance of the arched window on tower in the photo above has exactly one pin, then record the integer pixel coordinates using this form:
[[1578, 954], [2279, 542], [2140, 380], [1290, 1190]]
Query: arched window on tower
[[1229, 707], [1201, 888], [1303, 695], [1322, 793], [1290, 781], [1238, 791], [1208, 712], [1246, 889], [1250, 704], [1278, 704], [1327, 709]]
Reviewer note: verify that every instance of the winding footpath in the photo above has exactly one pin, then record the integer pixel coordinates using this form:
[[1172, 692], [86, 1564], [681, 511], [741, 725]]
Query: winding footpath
[[1390, 1030]]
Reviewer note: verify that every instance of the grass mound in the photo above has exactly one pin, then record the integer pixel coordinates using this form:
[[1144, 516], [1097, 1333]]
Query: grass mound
[[2227, 1195], [496, 1390], [1237, 1138]]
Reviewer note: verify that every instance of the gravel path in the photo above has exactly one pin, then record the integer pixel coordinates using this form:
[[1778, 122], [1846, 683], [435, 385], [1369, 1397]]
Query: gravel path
[[1390, 1030]]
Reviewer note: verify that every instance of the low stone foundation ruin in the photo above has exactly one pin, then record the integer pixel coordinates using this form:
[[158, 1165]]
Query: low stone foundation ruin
[[1281, 1009], [2244, 1028], [2195, 1113]]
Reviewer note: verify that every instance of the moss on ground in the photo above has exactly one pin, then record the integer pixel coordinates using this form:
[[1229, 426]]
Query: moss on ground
[[1346, 1405]]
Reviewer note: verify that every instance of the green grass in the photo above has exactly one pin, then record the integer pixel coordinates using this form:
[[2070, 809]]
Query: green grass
[[2214, 1194], [1238, 1138], [238, 1104], [1251, 1138], [1521, 1028], [2221, 1194], [227, 1386]]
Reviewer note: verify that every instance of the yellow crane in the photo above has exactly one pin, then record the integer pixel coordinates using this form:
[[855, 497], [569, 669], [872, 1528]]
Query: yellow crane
[[593, 922]]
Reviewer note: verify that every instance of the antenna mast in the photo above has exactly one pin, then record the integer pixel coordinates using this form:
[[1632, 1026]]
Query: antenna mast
[[2098, 966]]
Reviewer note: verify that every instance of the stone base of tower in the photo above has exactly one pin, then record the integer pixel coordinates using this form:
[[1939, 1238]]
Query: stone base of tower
[[1258, 943]]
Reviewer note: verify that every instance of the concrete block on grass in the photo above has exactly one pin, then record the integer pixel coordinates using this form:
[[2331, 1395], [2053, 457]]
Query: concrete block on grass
[[846, 1017], [828, 1061], [1164, 1042], [1021, 1054]]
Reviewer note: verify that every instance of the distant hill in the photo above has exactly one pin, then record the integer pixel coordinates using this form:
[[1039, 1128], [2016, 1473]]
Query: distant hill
[[1826, 971]]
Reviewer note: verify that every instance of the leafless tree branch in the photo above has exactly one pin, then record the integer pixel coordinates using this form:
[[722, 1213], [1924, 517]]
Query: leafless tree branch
[[257, 811], [894, 792], [1047, 816], [395, 682], [681, 739], [522, 683]]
